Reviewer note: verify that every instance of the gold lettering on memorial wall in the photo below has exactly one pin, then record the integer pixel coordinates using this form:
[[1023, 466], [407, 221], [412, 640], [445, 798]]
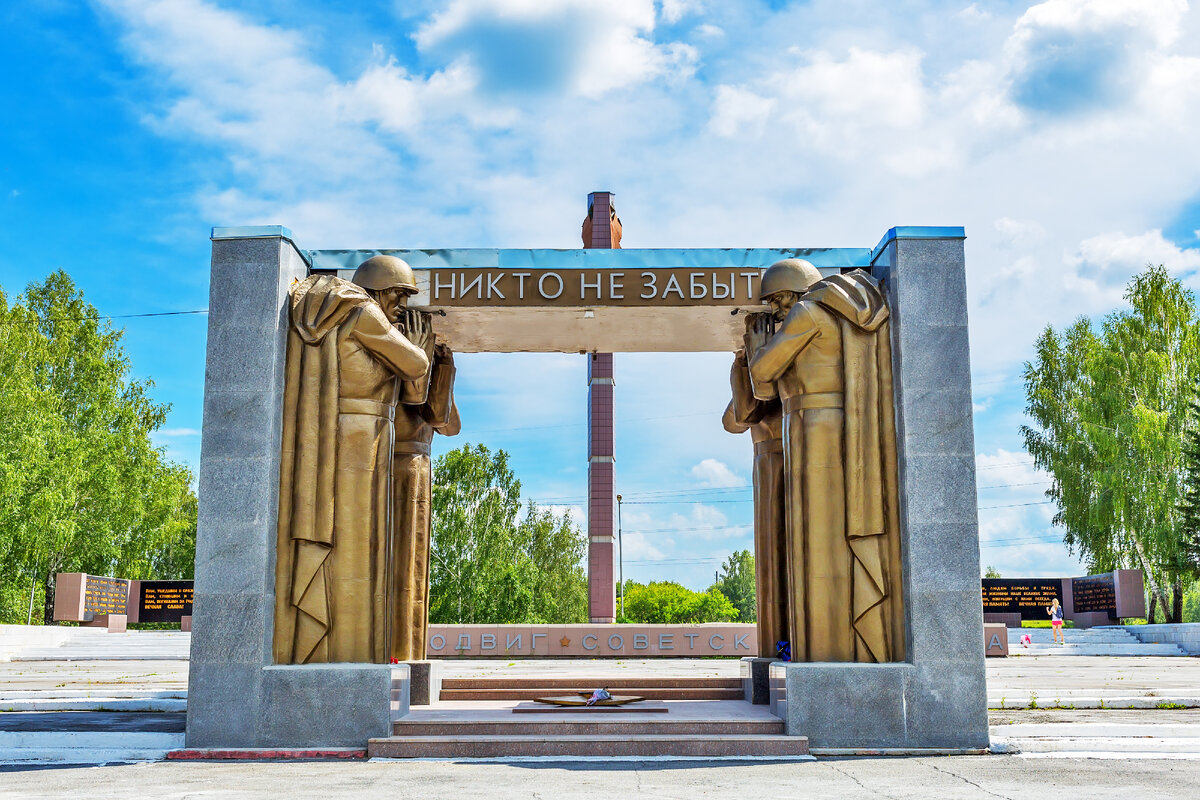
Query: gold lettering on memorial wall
[[105, 595], [608, 287]]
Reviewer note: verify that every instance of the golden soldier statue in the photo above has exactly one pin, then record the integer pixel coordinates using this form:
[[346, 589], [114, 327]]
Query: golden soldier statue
[[344, 359], [416, 423], [764, 420], [829, 363]]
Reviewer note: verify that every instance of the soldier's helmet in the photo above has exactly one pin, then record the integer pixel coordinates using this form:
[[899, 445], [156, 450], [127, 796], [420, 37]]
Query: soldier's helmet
[[385, 272], [791, 274]]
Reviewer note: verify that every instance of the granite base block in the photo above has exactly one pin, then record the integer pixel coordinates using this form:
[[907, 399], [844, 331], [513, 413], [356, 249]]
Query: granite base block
[[331, 705], [876, 706]]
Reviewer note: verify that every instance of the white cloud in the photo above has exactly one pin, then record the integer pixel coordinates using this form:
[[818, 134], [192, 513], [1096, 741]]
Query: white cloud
[[675, 10], [1079, 55], [739, 111], [591, 46], [577, 513], [840, 105], [711, 472], [1159, 21], [1129, 254], [1019, 232], [176, 432]]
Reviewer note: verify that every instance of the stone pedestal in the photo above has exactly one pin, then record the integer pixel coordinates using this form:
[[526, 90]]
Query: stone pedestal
[[425, 682], [756, 679]]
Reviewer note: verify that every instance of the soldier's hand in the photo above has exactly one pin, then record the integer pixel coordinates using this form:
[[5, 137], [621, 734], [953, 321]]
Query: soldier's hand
[[758, 331], [418, 328]]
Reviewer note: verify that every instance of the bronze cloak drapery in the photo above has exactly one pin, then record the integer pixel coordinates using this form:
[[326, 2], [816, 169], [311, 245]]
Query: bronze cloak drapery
[[869, 448]]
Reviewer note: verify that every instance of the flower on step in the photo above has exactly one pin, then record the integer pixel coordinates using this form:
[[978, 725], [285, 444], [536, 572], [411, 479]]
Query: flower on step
[[598, 695], [395, 661]]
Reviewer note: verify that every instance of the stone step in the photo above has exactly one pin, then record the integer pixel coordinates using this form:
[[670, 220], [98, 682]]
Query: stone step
[[641, 746], [97, 644], [85, 747], [585, 682], [1072, 649], [595, 726], [1014, 635], [537, 690], [1108, 744]]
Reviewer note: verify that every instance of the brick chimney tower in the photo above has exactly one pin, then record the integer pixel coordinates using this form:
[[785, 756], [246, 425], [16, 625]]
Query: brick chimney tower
[[601, 229]]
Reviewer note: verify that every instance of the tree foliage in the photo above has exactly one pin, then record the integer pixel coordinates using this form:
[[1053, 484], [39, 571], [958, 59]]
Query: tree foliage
[[82, 487], [666, 602], [1189, 506], [488, 563], [736, 582], [1111, 409], [992, 572]]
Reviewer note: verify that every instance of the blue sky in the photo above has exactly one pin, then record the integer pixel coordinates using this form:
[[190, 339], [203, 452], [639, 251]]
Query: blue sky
[[1060, 134]]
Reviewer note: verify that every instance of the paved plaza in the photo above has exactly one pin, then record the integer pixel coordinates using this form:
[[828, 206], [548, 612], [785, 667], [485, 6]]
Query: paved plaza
[[1117, 725]]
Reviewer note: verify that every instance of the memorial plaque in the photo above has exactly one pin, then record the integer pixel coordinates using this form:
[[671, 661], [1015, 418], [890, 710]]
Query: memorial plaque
[[1026, 596], [165, 601], [1095, 593], [105, 596], [580, 288]]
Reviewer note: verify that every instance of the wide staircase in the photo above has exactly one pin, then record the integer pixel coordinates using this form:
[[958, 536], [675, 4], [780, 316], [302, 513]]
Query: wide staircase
[[696, 717], [52, 643], [1099, 641]]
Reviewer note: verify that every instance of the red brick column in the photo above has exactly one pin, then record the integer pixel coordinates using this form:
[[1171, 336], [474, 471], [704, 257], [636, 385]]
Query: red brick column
[[600, 231]]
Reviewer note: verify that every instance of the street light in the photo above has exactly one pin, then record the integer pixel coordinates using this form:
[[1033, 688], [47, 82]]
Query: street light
[[621, 557]]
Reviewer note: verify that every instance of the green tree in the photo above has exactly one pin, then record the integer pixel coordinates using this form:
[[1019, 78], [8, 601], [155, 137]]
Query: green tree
[[992, 572], [1111, 409], [488, 563], [82, 487], [736, 582], [666, 602]]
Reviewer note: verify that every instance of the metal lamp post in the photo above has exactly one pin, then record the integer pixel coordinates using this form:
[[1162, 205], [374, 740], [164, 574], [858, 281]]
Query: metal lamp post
[[620, 558]]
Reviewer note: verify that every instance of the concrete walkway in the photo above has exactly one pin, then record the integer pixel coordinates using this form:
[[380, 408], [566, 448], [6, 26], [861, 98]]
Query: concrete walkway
[[925, 778]]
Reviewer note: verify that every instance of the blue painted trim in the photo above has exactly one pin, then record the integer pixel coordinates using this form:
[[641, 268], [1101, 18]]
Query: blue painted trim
[[253, 232], [918, 232], [647, 258]]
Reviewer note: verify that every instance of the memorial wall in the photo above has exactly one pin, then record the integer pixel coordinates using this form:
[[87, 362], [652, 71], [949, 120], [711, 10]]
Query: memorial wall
[[1103, 599]]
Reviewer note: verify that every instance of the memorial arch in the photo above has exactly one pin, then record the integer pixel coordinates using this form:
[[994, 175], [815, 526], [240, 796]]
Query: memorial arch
[[595, 302]]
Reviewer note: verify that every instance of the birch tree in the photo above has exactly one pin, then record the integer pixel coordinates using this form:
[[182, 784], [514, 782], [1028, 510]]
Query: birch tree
[[1111, 410]]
